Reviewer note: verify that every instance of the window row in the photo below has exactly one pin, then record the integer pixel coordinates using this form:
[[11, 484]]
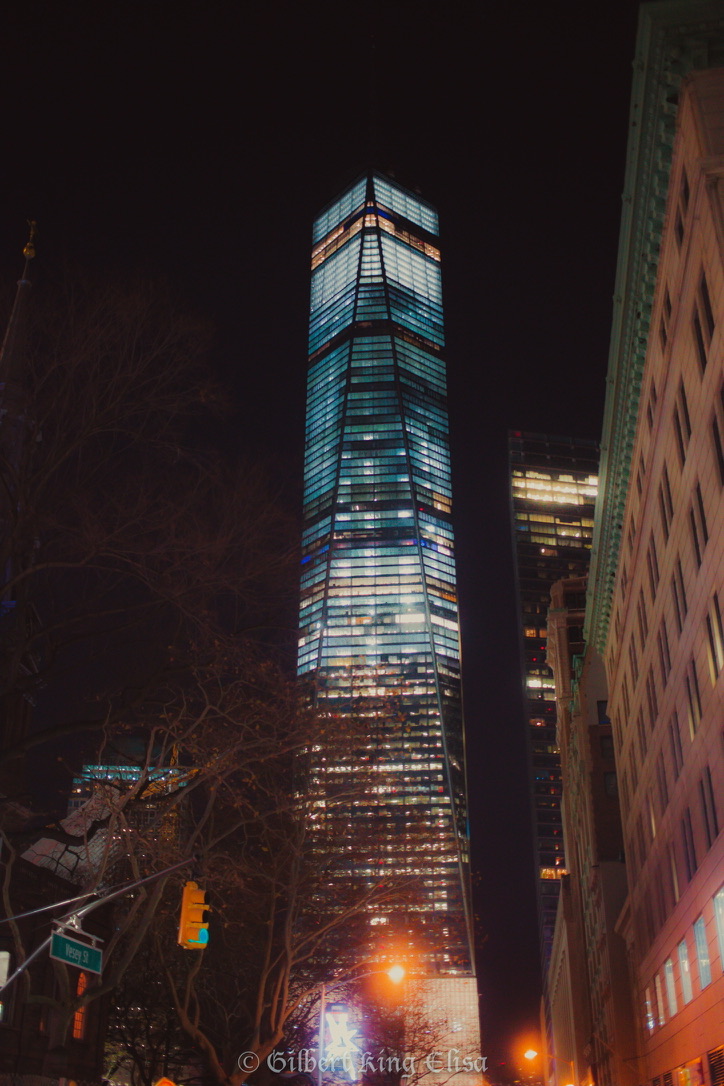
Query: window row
[[673, 987]]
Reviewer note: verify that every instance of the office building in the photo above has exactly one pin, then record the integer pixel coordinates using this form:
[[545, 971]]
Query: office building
[[588, 984], [656, 591], [379, 634], [553, 489]]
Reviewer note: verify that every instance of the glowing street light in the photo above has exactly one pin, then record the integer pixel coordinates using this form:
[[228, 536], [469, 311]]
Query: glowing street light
[[531, 1055]]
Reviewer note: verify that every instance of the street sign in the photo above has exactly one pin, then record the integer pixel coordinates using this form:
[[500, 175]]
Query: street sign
[[73, 952]]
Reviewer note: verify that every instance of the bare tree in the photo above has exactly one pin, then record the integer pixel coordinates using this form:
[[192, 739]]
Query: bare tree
[[133, 560], [144, 1039], [286, 915], [203, 741], [402, 1039], [122, 536], [136, 562], [216, 782]]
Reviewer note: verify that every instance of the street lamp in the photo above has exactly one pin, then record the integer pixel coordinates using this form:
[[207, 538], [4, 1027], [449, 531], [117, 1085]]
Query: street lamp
[[396, 974], [531, 1055]]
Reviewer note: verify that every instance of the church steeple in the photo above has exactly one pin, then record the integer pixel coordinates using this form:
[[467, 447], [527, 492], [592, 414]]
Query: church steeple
[[16, 612], [11, 353]]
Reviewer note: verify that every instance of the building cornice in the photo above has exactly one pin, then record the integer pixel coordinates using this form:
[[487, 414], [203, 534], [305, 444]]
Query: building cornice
[[674, 38]]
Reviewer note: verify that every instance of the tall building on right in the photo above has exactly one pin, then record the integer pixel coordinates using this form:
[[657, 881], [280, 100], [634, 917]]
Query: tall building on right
[[655, 608]]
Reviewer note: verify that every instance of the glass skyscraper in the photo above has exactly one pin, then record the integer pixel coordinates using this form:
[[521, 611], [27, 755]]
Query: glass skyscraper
[[379, 634], [553, 492]]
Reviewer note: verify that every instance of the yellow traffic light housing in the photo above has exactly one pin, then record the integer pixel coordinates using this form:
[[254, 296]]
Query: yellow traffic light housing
[[193, 933]]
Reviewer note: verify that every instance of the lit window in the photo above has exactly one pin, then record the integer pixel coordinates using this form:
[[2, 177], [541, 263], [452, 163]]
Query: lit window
[[79, 1018], [670, 987], [719, 917], [702, 952], [685, 971], [659, 1000], [4, 974]]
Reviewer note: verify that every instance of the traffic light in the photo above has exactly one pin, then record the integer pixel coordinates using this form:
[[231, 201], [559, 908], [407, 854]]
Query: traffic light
[[193, 933]]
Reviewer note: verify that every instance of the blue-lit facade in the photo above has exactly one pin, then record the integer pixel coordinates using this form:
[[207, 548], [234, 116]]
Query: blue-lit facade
[[379, 622]]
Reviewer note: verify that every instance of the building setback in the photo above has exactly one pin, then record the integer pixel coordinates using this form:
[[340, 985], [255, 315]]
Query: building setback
[[553, 490], [379, 636], [656, 594]]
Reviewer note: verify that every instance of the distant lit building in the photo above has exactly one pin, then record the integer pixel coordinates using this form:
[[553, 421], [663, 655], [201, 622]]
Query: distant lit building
[[119, 777], [101, 794], [656, 593], [379, 621], [553, 489]]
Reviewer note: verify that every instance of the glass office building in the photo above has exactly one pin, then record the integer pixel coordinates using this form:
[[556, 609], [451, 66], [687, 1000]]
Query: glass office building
[[553, 491], [379, 624]]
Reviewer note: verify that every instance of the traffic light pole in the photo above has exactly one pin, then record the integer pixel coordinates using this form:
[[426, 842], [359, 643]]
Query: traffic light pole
[[73, 919]]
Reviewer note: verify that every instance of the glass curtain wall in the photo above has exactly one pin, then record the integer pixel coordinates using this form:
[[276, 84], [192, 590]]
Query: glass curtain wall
[[379, 624]]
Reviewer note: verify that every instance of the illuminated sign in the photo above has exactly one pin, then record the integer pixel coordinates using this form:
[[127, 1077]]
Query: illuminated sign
[[341, 1046]]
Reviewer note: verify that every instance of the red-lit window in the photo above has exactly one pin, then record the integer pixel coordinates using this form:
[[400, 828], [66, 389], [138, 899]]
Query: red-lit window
[[79, 1016]]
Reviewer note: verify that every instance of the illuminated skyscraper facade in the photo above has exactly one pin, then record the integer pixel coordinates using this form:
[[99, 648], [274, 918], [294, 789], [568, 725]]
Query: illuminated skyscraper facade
[[379, 623], [553, 491]]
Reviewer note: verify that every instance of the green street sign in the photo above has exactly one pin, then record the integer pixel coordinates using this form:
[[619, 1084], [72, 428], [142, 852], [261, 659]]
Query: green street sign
[[73, 952]]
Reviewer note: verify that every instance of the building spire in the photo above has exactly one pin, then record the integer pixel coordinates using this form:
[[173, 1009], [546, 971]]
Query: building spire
[[29, 250], [13, 416], [11, 362]]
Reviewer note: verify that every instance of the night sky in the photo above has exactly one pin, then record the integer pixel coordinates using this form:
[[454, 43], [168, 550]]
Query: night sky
[[198, 141]]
